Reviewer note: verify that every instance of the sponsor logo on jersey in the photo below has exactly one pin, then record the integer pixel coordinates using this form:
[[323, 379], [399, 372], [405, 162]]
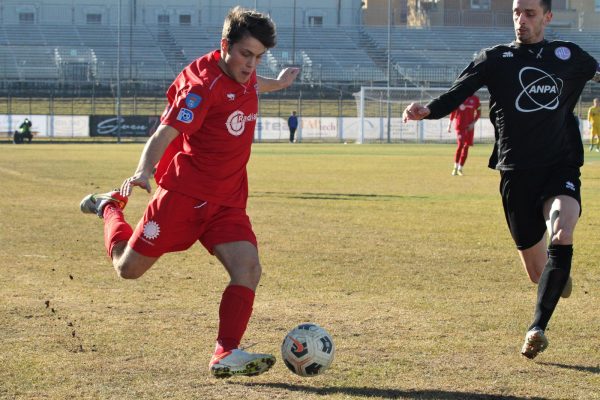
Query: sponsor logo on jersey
[[562, 53], [151, 230], [236, 122], [192, 100], [185, 116], [231, 96], [570, 185], [507, 54], [540, 90]]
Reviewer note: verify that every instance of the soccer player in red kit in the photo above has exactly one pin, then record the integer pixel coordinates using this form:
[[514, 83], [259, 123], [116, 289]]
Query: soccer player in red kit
[[464, 118], [198, 156]]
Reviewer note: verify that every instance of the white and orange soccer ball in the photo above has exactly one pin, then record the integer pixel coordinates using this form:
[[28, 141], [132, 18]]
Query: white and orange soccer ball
[[307, 350]]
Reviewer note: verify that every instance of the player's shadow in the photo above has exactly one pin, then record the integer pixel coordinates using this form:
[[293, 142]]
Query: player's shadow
[[390, 393], [335, 196], [593, 370]]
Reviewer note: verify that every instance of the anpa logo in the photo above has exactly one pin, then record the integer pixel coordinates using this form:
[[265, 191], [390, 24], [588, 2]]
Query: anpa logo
[[541, 90], [507, 54], [151, 230], [236, 122]]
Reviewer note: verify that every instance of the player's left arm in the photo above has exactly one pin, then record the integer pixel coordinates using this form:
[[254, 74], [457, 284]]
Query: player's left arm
[[286, 78]]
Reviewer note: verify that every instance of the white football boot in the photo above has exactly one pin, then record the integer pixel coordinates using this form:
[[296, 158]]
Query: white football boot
[[535, 343], [239, 362], [94, 203]]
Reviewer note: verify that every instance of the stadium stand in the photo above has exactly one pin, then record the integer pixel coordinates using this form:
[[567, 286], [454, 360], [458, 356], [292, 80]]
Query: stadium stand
[[350, 55]]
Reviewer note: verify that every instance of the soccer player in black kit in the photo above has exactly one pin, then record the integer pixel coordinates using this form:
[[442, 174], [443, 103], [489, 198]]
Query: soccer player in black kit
[[534, 85]]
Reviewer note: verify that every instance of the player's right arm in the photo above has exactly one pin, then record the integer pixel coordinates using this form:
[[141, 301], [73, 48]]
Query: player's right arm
[[152, 153], [469, 81]]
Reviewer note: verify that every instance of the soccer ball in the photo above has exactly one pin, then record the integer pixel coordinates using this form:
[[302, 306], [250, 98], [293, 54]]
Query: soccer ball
[[307, 350]]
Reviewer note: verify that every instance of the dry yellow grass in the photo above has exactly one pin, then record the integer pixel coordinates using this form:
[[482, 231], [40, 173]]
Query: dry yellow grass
[[410, 269]]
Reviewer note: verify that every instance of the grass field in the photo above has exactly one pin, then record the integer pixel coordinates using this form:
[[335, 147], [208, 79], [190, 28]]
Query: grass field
[[411, 270]]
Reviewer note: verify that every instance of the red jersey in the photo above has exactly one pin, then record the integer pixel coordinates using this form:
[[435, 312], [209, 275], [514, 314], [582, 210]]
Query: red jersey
[[215, 116], [467, 113]]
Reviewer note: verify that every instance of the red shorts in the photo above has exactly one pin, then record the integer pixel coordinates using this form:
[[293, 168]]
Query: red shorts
[[465, 136], [174, 222]]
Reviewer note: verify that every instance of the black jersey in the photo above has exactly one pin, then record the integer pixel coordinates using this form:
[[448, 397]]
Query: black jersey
[[533, 91]]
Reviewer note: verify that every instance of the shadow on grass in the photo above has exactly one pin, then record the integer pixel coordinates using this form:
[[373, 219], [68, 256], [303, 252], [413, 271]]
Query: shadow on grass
[[593, 370], [389, 393], [335, 196]]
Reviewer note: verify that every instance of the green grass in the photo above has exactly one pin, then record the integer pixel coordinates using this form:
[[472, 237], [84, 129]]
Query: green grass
[[411, 270]]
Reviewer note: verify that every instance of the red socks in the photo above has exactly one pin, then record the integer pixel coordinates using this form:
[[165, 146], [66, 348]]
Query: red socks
[[234, 314], [115, 228]]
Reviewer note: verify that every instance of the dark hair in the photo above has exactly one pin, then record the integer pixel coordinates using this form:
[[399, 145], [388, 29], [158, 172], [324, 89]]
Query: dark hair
[[241, 22], [546, 5]]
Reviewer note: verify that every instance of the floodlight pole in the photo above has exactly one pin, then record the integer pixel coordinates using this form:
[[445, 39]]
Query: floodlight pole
[[294, 35], [118, 105], [389, 72]]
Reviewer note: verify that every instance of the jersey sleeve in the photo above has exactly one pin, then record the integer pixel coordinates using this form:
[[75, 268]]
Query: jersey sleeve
[[588, 66], [188, 106], [471, 79]]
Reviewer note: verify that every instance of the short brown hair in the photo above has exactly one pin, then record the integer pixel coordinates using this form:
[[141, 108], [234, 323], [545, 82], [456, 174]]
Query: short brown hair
[[241, 22]]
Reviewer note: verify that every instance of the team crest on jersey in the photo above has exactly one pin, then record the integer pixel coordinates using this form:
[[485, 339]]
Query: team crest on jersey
[[236, 122], [540, 90], [192, 100], [562, 53], [185, 116]]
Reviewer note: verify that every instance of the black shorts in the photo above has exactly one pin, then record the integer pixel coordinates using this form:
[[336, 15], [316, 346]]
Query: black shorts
[[523, 195]]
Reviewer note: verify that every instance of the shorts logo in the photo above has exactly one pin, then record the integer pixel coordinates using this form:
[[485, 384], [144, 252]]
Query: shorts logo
[[192, 100], [185, 116], [562, 53], [236, 122], [570, 185], [151, 230]]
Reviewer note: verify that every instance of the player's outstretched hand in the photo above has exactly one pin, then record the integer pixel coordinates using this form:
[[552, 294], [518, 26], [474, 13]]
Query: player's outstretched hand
[[287, 76], [135, 180], [415, 112]]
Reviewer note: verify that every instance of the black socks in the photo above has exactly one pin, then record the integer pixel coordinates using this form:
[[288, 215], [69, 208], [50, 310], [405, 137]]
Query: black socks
[[552, 282]]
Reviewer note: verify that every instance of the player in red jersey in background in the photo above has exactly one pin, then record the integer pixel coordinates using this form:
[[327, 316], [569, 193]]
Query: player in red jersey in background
[[464, 117], [198, 156]]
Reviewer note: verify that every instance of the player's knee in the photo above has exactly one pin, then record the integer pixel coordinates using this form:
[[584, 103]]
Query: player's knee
[[248, 274], [129, 270], [254, 273], [563, 236]]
